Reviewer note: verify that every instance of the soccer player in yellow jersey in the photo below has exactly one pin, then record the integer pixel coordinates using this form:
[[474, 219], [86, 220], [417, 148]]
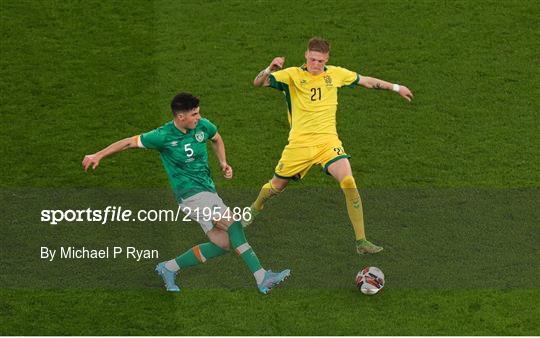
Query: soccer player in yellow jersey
[[311, 95]]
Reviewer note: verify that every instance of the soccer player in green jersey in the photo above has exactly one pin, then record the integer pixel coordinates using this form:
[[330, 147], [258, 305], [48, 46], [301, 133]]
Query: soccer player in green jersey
[[182, 147], [311, 95]]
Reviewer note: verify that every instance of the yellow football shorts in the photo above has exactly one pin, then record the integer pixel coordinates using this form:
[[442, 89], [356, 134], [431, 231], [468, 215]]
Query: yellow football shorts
[[296, 161]]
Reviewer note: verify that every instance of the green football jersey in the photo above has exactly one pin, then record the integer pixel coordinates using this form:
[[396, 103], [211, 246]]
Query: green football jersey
[[184, 156]]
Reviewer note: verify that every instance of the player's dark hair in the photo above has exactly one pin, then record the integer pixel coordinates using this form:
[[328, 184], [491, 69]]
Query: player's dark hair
[[184, 102], [318, 44]]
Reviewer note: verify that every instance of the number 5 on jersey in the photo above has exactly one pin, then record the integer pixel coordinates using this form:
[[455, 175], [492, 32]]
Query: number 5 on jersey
[[189, 151]]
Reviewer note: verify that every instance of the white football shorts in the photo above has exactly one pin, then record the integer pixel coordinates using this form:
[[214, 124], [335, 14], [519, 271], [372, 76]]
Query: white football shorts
[[203, 208]]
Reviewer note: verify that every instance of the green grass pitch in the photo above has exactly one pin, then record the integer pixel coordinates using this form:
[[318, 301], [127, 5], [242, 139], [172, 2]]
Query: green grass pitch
[[450, 182]]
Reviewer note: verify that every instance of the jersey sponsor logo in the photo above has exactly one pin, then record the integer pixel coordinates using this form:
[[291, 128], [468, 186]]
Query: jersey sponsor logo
[[174, 143], [199, 136], [303, 83]]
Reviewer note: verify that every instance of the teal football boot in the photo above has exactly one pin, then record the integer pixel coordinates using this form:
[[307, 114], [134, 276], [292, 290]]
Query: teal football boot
[[272, 279], [168, 277]]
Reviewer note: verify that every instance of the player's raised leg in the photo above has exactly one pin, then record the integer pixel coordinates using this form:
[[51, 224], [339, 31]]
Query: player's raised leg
[[342, 172], [272, 188], [294, 164]]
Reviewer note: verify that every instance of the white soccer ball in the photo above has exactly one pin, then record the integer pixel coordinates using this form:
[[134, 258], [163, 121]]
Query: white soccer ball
[[370, 280]]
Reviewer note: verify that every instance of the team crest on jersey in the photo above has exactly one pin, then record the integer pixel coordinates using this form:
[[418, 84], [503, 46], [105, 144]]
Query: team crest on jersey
[[199, 136], [328, 81]]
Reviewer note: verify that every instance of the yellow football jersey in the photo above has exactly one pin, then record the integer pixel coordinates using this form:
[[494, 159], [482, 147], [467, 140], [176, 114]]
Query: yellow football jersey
[[312, 101]]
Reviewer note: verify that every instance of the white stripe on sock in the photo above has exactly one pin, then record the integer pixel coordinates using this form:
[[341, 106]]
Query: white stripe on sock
[[202, 256], [243, 248]]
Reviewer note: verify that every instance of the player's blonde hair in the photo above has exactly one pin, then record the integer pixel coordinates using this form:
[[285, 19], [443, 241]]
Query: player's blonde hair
[[318, 44]]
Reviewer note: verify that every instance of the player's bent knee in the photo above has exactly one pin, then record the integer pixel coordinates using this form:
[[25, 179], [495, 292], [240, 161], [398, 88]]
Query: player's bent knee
[[225, 246], [277, 185], [348, 182], [219, 238]]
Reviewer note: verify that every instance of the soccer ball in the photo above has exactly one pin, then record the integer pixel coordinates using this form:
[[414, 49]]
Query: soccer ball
[[370, 280]]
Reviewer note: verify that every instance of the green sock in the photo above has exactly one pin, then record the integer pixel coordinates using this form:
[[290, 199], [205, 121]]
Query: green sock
[[199, 254], [242, 248]]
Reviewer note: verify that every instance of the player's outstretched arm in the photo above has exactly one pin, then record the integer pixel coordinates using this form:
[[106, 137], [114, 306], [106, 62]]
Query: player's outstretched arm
[[373, 83], [219, 149], [262, 78], [94, 159]]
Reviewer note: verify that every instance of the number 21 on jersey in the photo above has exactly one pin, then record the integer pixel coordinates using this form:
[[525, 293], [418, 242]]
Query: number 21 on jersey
[[316, 94]]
